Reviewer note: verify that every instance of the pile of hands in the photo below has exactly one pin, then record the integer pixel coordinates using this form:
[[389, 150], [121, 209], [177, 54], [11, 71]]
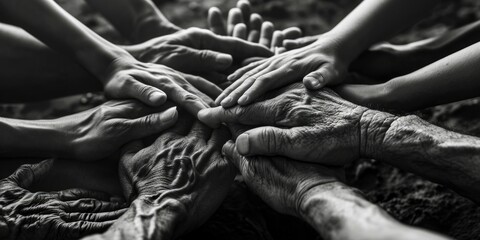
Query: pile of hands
[[289, 140]]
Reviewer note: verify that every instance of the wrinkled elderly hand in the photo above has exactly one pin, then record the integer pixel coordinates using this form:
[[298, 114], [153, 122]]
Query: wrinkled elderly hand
[[97, 133], [177, 182], [314, 126], [67, 214], [196, 50], [282, 183]]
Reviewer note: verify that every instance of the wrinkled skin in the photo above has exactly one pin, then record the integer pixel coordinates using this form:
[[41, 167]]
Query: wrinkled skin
[[318, 64], [99, 132], [314, 126], [282, 183], [196, 50], [177, 182], [152, 84], [67, 214]]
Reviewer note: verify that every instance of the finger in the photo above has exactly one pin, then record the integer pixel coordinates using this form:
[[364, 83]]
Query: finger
[[277, 40], [92, 206], [242, 71], [292, 33], [219, 137], [28, 174], [254, 114], [207, 60], [280, 50], [152, 123], [147, 94], [317, 79], [245, 8], [266, 34], [234, 17], [207, 87], [267, 82], [77, 193], [255, 28], [268, 141], [232, 98], [227, 91], [231, 154], [94, 217], [240, 31], [215, 21], [188, 100], [200, 131]]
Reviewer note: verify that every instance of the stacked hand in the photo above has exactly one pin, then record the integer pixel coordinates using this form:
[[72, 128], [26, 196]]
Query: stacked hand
[[67, 214]]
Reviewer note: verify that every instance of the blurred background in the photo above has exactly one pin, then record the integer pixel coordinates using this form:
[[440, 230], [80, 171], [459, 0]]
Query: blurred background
[[408, 198]]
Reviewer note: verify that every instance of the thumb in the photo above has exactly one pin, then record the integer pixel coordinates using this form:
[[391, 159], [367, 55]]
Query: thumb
[[321, 77], [27, 174], [263, 141], [231, 154]]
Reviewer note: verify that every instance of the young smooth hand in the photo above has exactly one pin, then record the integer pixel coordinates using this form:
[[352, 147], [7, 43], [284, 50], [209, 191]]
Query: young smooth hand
[[318, 64], [67, 214]]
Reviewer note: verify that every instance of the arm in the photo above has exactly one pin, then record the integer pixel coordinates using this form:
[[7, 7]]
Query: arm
[[137, 20], [449, 79], [432, 152]]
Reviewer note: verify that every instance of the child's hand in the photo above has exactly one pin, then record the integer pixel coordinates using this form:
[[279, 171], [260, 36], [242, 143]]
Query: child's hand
[[319, 64], [242, 24]]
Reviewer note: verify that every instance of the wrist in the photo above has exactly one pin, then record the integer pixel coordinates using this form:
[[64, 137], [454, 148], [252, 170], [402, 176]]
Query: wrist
[[374, 126], [344, 49]]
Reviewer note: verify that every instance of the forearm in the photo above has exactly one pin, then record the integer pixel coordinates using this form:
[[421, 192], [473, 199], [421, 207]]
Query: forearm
[[414, 145], [144, 221], [340, 212], [449, 79], [32, 71], [25, 138], [135, 19], [374, 21], [55, 27]]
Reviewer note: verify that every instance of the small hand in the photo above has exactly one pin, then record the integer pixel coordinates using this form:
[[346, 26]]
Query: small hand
[[319, 64], [282, 183], [242, 24], [313, 126], [67, 214], [183, 166], [99, 132], [153, 83]]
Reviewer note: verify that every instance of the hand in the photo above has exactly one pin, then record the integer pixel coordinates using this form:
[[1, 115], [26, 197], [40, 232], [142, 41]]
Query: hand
[[183, 168], [319, 64], [99, 132], [196, 50], [152, 84], [242, 24], [313, 126], [282, 183], [67, 214]]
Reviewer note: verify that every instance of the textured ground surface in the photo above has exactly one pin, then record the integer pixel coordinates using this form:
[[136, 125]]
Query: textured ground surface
[[410, 199]]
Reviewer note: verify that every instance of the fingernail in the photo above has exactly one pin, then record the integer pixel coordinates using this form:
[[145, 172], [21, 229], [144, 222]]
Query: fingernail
[[243, 145], [243, 100], [226, 101], [169, 115], [230, 77], [156, 98], [224, 60], [314, 83]]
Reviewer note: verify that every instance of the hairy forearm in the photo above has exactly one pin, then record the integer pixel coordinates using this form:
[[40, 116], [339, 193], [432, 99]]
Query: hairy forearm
[[145, 220], [374, 21], [137, 20], [337, 211], [414, 145], [24, 138], [55, 27]]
